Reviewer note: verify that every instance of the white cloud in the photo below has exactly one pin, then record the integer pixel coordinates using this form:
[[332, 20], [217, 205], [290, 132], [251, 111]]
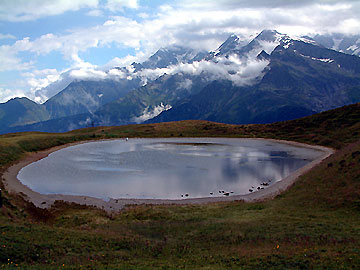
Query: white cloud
[[198, 25], [121, 62], [43, 94], [6, 94], [151, 113], [185, 84], [335, 7], [82, 74], [7, 36], [47, 76], [349, 26], [144, 15], [117, 74], [233, 4], [118, 5], [10, 60], [121, 30], [86, 122], [95, 13], [38, 81], [245, 71], [26, 10], [44, 84], [241, 72]]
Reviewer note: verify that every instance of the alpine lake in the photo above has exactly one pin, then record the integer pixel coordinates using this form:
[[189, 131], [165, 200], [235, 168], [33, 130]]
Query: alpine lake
[[168, 168]]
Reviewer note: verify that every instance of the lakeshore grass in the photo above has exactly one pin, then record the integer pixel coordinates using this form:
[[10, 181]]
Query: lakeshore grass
[[313, 225]]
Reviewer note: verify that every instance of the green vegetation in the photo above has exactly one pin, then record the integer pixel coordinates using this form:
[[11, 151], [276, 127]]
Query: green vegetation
[[313, 225]]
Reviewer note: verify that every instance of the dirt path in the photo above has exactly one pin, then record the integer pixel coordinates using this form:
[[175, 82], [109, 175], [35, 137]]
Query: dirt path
[[12, 184]]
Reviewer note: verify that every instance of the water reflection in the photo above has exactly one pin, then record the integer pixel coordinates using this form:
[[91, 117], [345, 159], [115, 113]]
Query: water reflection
[[164, 168]]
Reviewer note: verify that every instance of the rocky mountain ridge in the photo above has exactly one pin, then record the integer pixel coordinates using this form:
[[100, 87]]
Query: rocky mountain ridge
[[271, 78]]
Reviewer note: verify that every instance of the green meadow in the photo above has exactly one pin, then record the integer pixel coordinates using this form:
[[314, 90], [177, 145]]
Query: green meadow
[[313, 225]]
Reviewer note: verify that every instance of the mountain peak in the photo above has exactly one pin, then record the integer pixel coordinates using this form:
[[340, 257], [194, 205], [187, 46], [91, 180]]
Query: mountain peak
[[171, 55], [20, 99], [270, 35], [266, 40], [231, 43]]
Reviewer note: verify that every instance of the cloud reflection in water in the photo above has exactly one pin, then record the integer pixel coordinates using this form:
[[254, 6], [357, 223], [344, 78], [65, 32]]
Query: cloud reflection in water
[[164, 168]]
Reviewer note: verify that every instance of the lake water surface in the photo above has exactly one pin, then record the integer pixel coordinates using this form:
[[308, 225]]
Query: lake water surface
[[165, 168]]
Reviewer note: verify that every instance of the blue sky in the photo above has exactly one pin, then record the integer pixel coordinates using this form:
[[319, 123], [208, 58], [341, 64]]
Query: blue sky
[[44, 44]]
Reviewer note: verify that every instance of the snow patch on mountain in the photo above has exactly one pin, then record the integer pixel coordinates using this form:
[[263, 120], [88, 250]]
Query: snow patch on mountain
[[305, 40], [353, 47], [231, 44], [287, 45], [268, 40], [325, 60]]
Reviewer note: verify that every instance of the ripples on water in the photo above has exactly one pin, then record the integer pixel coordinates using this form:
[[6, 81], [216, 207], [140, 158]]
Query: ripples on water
[[164, 168]]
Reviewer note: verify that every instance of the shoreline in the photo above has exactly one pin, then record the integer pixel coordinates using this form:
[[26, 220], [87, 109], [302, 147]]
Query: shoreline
[[13, 185]]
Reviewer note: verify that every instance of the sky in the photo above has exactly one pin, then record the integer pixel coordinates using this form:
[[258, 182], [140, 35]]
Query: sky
[[45, 44]]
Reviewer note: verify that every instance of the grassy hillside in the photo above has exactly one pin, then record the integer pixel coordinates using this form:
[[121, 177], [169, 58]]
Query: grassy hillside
[[314, 225]]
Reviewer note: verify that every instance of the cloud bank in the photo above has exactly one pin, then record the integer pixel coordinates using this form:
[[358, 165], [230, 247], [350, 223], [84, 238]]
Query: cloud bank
[[241, 71], [28, 10]]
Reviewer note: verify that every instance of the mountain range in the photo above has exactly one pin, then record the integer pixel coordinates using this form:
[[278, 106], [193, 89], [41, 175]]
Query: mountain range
[[271, 78]]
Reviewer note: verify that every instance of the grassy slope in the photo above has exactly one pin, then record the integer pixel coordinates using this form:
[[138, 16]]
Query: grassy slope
[[316, 224]]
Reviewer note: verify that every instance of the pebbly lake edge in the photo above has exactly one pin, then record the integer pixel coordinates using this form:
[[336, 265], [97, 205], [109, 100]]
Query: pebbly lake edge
[[13, 184]]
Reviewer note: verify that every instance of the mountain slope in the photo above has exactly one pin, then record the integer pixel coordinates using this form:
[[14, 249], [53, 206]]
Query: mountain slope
[[302, 79], [62, 124], [88, 96], [166, 90], [81, 97], [21, 111], [349, 44], [170, 89], [271, 78]]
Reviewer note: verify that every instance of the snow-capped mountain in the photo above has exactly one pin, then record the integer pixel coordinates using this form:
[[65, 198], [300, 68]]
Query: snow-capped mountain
[[272, 77], [349, 44], [233, 43], [267, 40], [301, 79], [173, 55]]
